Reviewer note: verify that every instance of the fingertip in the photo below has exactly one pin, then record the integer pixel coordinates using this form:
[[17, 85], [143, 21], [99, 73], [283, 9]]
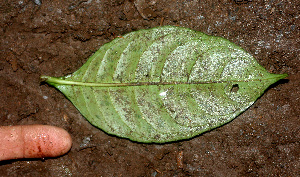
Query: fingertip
[[46, 141], [63, 140]]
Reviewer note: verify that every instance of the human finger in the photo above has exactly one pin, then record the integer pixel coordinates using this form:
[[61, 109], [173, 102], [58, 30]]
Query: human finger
[[33, 141]]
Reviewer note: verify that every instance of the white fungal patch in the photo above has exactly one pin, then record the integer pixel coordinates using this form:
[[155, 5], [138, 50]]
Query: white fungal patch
[[163, 94]]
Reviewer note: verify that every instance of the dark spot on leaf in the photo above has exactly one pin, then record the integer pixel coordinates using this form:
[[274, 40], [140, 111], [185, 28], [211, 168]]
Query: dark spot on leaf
[[157, 137], [234, 88]]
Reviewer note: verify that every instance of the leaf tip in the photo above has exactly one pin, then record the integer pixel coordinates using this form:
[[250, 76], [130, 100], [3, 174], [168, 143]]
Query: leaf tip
[[282, 76], [278, 77]]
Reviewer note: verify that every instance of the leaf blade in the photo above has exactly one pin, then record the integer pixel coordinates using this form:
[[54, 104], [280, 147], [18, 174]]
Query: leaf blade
[[165, 84]]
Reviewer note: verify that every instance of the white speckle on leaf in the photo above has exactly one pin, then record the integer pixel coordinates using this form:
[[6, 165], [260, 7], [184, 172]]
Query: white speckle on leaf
[[163, 94]]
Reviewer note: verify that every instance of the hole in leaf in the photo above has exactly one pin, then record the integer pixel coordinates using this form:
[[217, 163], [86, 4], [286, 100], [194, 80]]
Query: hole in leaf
[[234, 88]]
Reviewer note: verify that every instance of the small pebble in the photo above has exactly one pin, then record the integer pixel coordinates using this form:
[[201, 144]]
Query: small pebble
[[37, 2]]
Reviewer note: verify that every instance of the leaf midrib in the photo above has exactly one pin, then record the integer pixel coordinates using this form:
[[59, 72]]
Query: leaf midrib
[[54, 80]]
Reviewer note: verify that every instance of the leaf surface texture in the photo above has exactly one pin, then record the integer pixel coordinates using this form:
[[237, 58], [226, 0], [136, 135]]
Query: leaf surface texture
[[165, 84]]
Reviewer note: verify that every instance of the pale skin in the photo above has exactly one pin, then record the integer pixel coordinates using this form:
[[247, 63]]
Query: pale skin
[[33, 141]]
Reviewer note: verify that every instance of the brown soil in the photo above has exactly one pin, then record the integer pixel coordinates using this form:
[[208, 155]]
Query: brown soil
[[56, 37]]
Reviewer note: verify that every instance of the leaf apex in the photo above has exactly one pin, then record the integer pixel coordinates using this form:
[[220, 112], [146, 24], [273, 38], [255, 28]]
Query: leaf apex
[[282, 76]]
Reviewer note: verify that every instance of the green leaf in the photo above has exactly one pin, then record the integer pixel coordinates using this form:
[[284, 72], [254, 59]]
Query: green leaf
[[165, 84]]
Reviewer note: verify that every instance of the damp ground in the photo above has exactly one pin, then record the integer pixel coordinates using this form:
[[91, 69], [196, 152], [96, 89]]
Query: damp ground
[[56, 37]]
